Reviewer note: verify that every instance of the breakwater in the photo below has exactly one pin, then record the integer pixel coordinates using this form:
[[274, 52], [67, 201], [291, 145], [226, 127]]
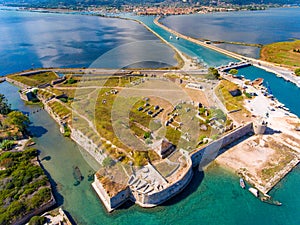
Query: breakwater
[[206, 45], [267, 66]]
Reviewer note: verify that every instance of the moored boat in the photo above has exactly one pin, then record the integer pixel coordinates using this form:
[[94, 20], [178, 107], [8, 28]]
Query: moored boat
[[268, 199], [254, 191], [77, 174], [258, 81], [242, 183]]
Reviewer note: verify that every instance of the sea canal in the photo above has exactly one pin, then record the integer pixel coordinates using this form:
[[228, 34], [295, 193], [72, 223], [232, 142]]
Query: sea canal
[[213, 197]]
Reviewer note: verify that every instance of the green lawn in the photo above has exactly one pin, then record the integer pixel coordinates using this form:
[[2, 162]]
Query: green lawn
[[35, 79]]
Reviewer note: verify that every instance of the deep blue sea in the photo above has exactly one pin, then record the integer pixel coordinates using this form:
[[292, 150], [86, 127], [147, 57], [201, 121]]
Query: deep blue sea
[[213, 197], [260, 27], [34, 40]]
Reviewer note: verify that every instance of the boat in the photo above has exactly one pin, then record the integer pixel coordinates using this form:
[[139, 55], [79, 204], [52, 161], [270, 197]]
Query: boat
[[77, 174], [264, 197], [91, 176], [177, 37], [258, 81], [254, 191], [268, 199], [242, 183], [171, 37], [285, 108]]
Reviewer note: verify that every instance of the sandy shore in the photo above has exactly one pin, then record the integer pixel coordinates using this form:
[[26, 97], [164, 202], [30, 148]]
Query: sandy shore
[[263, 160]]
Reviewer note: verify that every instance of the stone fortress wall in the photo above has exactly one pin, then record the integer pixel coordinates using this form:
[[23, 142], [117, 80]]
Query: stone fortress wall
[[202, 157], [205, 155], [158, 198], [86, 143]]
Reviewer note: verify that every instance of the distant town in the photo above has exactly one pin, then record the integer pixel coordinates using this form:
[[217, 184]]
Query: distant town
[[148, 9]]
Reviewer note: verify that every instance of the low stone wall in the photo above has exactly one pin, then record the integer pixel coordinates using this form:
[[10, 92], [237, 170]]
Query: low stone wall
[[204, 156], [38, 211], [151, 200], [111, 203], [19, 84], [52, 114], [79, 138], [167, 193], [88, 145]]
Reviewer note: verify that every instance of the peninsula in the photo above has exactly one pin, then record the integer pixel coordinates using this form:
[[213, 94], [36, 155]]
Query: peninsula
[[147, 146], [149, 128]]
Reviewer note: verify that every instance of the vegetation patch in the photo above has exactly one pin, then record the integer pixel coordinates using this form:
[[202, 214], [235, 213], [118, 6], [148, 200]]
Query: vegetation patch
[[165, 168], [283, 53], [13, 124], [284, 155], [60, 110], [35, 79], [223, 93], [23, 185], [173, 135]]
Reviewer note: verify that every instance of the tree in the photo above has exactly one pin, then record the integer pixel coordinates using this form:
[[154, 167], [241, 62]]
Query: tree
[[17, 119], [4, 106], [147, 135], [7, 144], [214, 72], [37, 220], [71, 81], [297, 72], [233, 71], [107, 162]]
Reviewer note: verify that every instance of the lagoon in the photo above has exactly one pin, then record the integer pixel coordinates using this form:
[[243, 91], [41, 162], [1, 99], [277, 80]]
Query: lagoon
[[260, 27], [34, 40]]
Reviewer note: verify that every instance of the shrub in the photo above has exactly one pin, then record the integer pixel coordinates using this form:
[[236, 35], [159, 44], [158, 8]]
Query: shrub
[[147, 135], [7, 144], [107, 162], [37, 220], [71, 81], [297, 72], [233, 71]]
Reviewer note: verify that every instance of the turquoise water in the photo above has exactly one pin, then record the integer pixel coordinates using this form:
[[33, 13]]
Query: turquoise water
[[209, 57], [261, 27], [213, 197], [286, 92]]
